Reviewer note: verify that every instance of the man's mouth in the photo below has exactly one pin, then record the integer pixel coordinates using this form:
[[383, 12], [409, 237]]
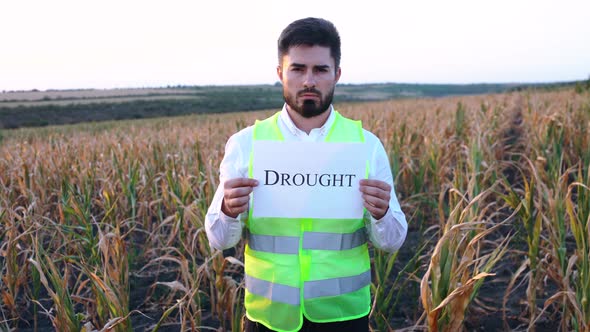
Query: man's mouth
[[310, 95]]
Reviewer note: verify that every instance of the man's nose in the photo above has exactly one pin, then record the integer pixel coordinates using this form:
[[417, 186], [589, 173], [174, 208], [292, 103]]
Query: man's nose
[[310, 80]]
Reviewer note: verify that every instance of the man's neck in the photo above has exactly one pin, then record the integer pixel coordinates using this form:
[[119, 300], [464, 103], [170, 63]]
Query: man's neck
[[307, 124]]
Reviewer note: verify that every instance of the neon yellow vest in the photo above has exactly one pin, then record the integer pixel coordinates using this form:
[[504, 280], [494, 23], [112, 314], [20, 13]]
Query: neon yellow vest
[[319, 268]]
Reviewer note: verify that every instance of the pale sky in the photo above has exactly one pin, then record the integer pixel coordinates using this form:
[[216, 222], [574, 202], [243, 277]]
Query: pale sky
[[62, 44]]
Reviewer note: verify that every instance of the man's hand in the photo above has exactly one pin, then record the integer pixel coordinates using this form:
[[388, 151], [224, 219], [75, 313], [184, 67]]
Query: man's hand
[[376, 195], [236, 196]]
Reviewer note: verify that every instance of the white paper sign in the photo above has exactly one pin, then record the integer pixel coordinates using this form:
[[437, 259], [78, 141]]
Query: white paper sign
[[308, 179]]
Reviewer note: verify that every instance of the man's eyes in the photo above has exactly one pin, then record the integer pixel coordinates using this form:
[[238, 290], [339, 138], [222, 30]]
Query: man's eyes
[[319, 70]]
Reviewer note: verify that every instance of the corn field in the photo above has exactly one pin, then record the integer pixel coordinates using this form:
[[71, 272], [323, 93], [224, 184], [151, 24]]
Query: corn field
[[102, 225]]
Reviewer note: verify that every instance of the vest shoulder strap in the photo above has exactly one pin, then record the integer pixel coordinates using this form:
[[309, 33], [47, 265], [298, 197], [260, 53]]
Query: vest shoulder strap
[[345, 130], [268, 129]]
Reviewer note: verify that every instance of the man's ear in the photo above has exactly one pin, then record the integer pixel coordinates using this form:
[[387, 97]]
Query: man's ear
[[280, 73], [338, 73]]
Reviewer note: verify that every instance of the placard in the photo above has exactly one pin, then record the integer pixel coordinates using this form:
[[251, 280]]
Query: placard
[[308, 179]]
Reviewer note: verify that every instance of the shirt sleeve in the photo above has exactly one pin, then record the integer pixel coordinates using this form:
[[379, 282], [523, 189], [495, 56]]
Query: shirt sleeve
[[389, 232], [223, 231]]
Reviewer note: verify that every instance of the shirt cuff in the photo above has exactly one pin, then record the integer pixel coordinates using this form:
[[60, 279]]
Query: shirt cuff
[[389, 232], [225, 218]]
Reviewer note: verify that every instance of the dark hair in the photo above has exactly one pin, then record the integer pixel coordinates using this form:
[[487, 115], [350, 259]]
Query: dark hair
[[310, 31]]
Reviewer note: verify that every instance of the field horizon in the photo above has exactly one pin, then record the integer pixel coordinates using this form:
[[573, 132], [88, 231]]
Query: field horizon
[[36, 108]]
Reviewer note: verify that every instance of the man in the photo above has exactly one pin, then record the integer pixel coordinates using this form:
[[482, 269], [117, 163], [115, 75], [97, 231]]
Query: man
[[313, 287]]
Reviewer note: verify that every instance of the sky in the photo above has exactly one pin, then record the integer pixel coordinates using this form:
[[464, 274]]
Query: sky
[[64, 44]]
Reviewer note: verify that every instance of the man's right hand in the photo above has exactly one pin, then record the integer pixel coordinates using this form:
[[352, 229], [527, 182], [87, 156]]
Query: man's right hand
[[236, 196]]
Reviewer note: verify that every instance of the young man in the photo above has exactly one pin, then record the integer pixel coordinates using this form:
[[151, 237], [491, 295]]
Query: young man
[[313, 286]]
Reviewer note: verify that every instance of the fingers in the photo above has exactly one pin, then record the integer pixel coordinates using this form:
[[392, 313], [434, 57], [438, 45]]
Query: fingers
[[376, 201], [376, 212], [232, 207], [237, 192], [375, 183], [376, 188], [234, 210], [239, 187], [240, 182], [235, 203], [236, 196], [376, 196]]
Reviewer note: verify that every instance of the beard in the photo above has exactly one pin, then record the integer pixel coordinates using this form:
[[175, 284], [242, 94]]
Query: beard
[[309, 108]]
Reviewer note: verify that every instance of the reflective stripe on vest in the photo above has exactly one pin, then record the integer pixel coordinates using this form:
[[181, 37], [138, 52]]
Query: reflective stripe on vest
[[336, 286], [272, 291], [311, 289], [274, 244], [311, 241], [334, 241]]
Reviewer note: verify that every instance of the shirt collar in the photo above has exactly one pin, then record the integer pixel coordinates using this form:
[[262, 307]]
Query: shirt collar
[[296, 131]]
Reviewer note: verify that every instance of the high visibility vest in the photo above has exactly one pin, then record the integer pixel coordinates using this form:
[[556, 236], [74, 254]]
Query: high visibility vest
[[319, 268]]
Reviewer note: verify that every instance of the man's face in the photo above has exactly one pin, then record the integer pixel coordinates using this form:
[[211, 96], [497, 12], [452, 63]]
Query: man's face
[[309, 76]]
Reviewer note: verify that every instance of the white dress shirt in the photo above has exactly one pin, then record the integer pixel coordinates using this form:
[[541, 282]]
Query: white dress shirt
[[387, 233]]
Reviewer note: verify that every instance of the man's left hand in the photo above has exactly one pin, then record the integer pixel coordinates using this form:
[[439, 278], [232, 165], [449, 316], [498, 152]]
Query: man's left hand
[[376, 195]]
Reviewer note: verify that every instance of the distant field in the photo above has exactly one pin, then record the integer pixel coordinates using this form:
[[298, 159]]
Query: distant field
[[90, 100], [347, 91], [55, 107], [85, 94]]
